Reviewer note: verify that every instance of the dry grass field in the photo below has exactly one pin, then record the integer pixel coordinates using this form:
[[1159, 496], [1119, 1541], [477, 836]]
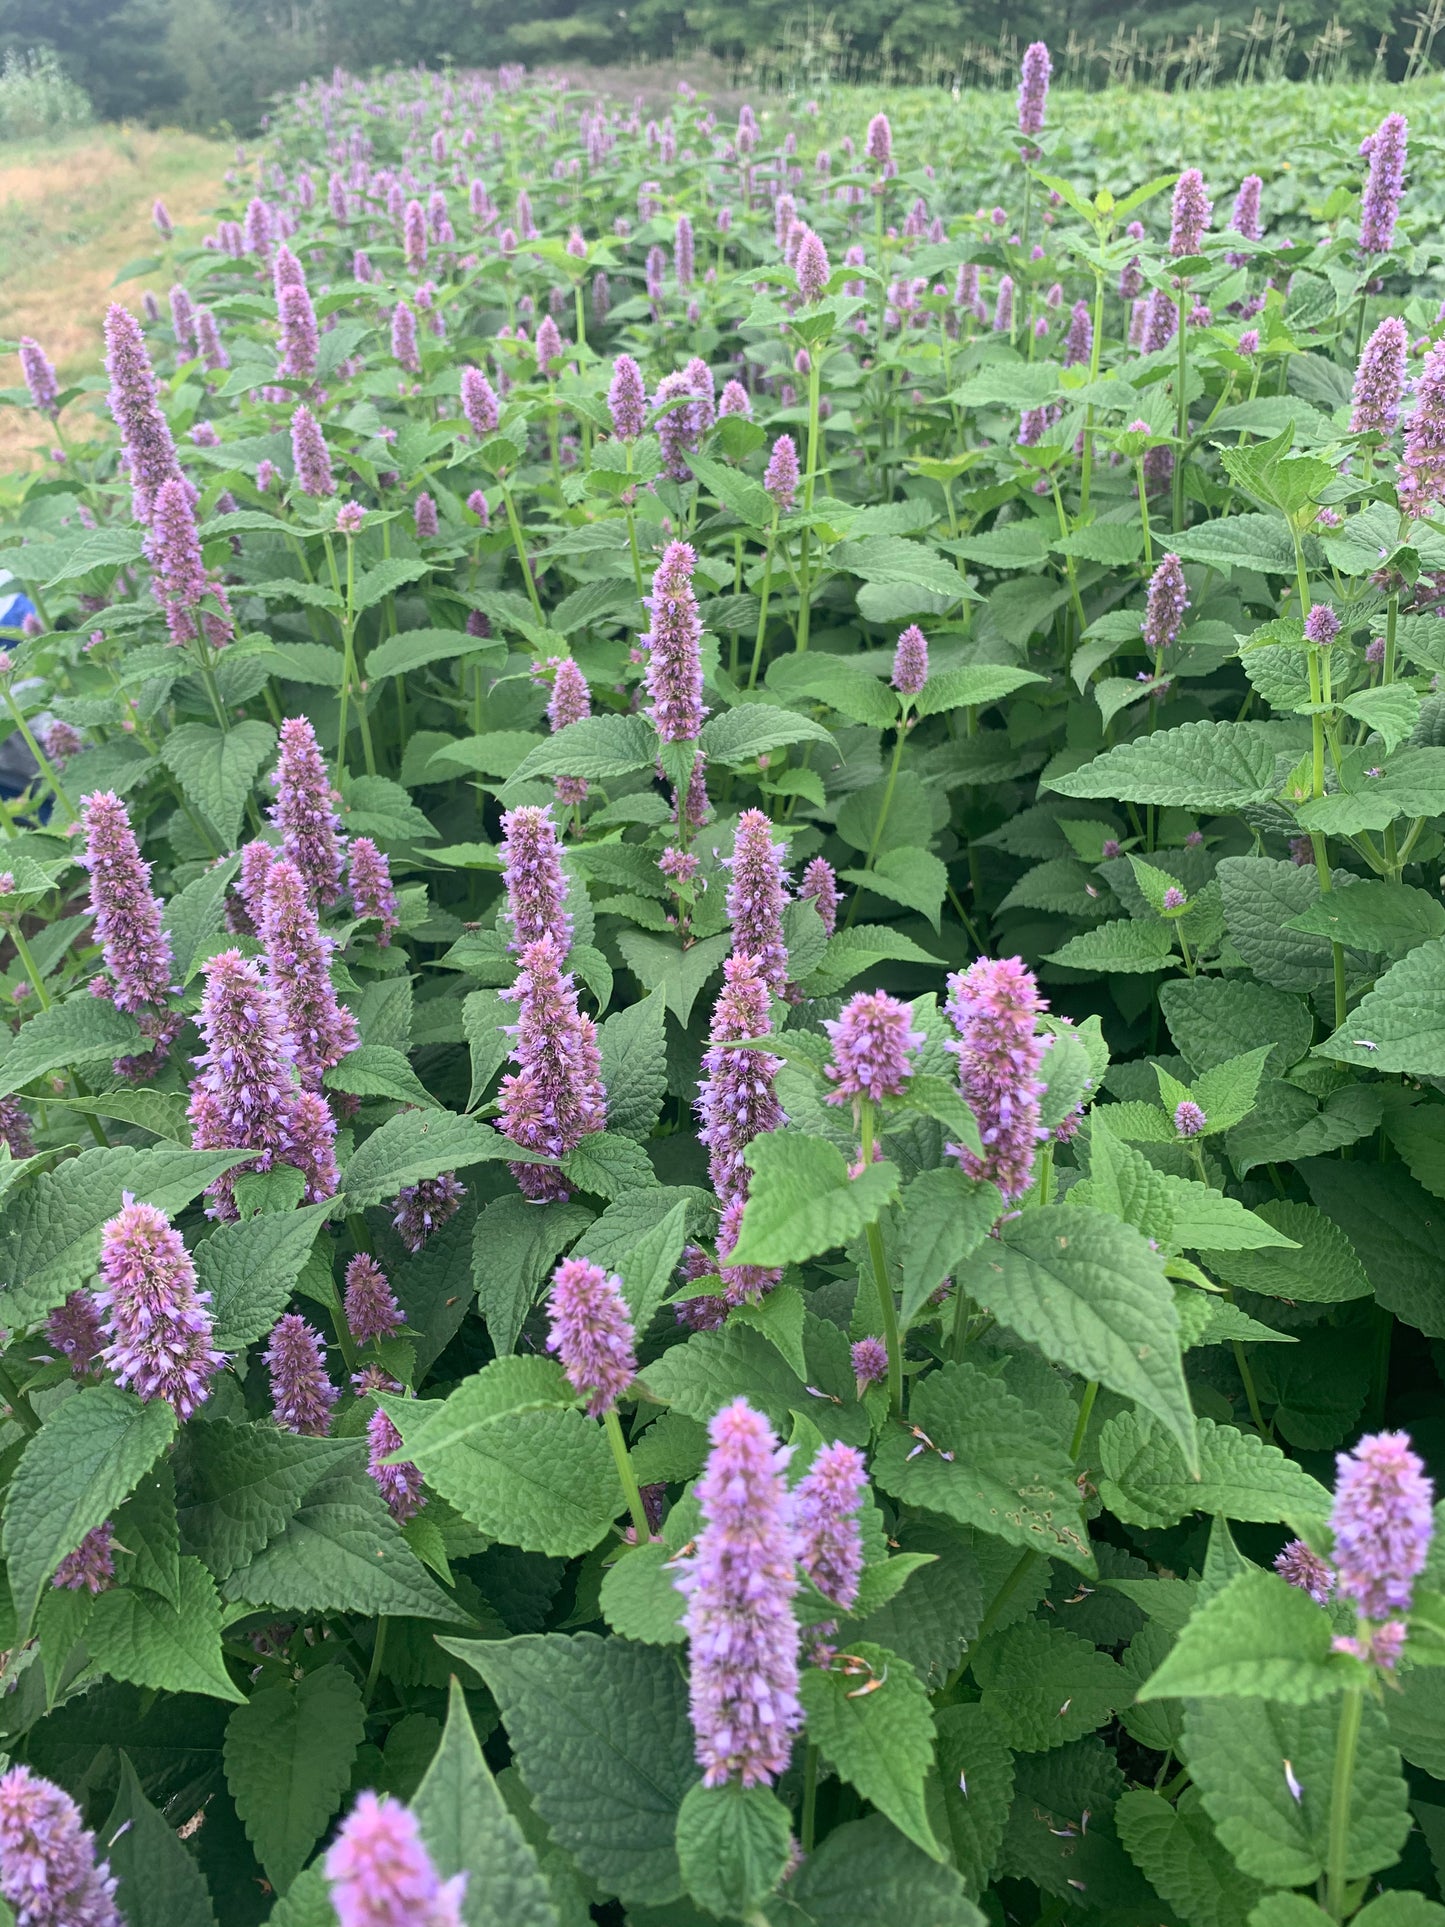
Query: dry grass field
[[73, 214]]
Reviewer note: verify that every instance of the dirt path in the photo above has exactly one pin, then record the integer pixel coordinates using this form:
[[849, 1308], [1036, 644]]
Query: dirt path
[[72, 215]]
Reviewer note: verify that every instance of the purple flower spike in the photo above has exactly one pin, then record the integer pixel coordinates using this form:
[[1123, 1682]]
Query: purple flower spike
[[310, 1144], [48, 1870], [303, 813], [1322, 625], [1191, 212], [15, 1132], [1189, 1119], [256, 860], [820, 882], [879, 145], [735, 1100], [424, 1208], [300, 340], [372, 895], [743, 1636], [135, 406], [556, 1096], [298, 969], [549, 346], [682, 252], [413, 230], [826, 1502], [1384, 185], [1168, 601], [404, 350], [371, 1307], [780, 478], [532, 871], [309, 453], [40, 377], [757, 892], [400, 1485], [244, 1094], [742, 1284], [1380, 380], [90, 1568], [1035, 72], [301, 1393], [1003, 310], [674, 646], [157, 1327], [591, 1332], [479, 403], [812, 267], [128, 915], [627, 399], [870, 1363], [570, 702], [208, 341], [1079, 341], [735, 400], [1382, 1521], [1245, 217], [381, 1875], [873, 1045], [994, 1005], [910, 661], [1305, 1569], [74, 1329], [181, 582], [1422, 472], [424, 516], [681, 428]]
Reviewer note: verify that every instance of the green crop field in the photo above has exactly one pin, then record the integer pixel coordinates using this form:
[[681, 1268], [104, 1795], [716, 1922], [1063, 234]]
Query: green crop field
[[722, 1097]]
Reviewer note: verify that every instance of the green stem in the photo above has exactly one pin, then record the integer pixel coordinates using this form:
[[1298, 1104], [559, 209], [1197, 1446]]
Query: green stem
[[763, 605], [520, 546], [21, 1408], [1317, 788], [880, 1278], [1346, 1745], [1086, 1412], [1181, 412], [887, 802], [1144, 513], [42, 761], [1251, 1394], [22, 950], [810, 1796], [613, 1427], [378, 1653]]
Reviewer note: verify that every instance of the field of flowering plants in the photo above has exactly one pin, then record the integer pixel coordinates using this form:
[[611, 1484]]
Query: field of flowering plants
[[723, 1145]]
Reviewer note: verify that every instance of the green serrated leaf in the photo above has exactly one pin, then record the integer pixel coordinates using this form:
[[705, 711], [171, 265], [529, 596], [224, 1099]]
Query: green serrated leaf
[[87, 1457], [802, 1201], [510, 1451], [140, 1637], [250, 1268], [1045, 1686], [1143, 1479], [469, 1830], [599, 1729], [289, 1753], [879, 1738], [217, 769], [1091, 1295], [1257, 1639], [1008, 1474]]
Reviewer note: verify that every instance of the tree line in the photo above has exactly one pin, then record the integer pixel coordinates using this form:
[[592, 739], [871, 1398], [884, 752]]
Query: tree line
[[214, 64]]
